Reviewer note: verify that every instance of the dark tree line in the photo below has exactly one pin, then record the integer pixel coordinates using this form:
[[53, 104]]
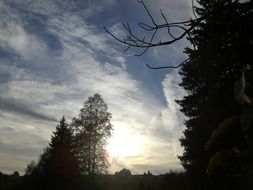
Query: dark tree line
[[220, 57], [121, 181]]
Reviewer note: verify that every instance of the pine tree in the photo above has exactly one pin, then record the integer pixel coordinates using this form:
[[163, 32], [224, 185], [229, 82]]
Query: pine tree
[[64, 162], [59, 158], [92, 128], [221, 35], [223, 48]]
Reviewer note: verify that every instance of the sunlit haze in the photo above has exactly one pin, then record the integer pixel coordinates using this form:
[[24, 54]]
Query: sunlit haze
[[123, 143]]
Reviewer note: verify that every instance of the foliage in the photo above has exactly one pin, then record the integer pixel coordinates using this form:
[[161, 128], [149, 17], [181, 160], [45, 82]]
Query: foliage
[[62, 160], [124, 172], [223, 46], [10, 182], [221, 131], [235, 160], [58, 159], [30, 168], [92, 128], [175, 181]]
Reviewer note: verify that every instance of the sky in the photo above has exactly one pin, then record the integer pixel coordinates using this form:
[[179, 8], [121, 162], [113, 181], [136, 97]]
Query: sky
[[54, 54]]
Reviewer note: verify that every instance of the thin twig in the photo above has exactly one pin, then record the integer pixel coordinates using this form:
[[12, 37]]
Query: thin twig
[[193, 10], [169, 66], [148, 12], [132, 40]]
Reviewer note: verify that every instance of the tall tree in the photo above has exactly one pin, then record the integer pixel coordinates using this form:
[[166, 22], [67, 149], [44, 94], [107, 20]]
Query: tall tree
[[221, 35], [92, 128], [58, 159], [63, 161], [223, 45]]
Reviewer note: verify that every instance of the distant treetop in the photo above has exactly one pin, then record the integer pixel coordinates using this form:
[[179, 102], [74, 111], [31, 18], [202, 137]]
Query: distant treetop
[[124, 172]]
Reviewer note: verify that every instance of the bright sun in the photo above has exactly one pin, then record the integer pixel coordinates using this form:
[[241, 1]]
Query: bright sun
[[123, 143]]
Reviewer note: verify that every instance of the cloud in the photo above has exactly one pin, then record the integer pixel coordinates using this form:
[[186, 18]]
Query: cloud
[[13, 105], [41, 84], [174, 10], [15, 39], [166, 128], [22, 140]]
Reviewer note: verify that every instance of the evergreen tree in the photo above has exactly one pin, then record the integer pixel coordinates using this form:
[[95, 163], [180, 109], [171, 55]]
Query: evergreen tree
[[223, 48], [58, 159], [92, 128], [63, 161], [221, 35]]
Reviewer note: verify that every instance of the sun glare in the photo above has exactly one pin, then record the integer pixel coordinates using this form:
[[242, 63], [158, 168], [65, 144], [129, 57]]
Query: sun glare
[[123, 143]]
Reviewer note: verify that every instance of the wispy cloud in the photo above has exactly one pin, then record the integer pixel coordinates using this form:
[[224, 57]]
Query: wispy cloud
[[53, 59]]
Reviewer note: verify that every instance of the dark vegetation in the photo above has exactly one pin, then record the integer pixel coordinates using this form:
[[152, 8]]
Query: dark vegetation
[[218, 78], [218, 139], [97, 182]]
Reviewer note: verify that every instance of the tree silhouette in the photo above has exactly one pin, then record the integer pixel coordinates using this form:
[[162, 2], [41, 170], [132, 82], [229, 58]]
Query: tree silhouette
[[58, 159], [222, 45], [124, 172], [30, 168], [61, 148], [92, 128], [223, 49]]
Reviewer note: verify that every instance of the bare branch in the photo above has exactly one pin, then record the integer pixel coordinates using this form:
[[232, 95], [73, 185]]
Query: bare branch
[[145, 26], [146, 49], [128, 47], [148, 12], [193, 10], [168, 67], [134, 41], [149, 40], [166, 22]]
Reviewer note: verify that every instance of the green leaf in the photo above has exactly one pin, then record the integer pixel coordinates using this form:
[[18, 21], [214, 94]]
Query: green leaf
[[221, 160], [214, 162], [220, 130]]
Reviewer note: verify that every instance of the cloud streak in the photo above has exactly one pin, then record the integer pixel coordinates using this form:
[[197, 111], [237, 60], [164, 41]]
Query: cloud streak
[[13, 105], [52, 60]]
